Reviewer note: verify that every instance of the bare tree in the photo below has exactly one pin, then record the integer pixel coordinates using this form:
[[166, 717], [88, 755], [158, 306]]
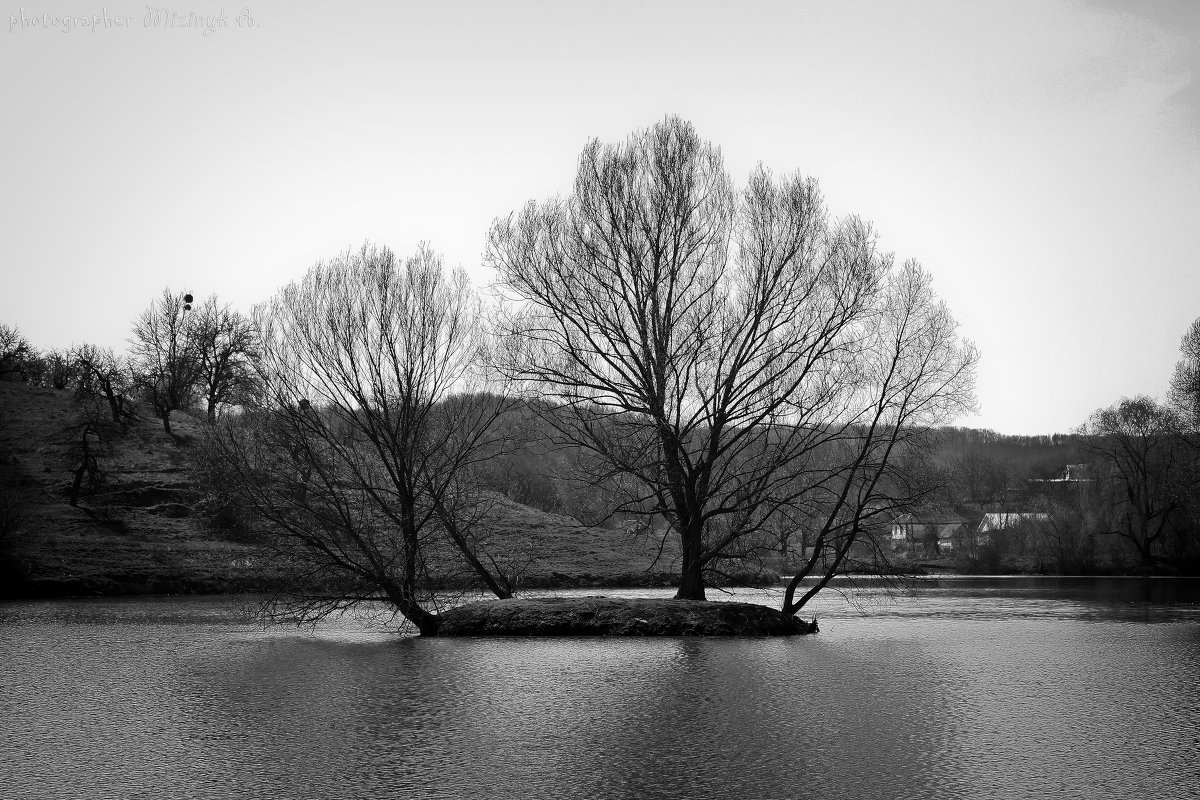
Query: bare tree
[[1074, 520], [913, 373], [1185, 383], [227, 341], [1184, 399], [736, 355], [1140, 459], [90, 437], [167, 360], [360, 463], [102, 373], [61, 369], [15, 353]]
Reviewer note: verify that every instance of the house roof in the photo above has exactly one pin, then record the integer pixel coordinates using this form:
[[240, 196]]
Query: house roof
[[929, 517], [949, 531]]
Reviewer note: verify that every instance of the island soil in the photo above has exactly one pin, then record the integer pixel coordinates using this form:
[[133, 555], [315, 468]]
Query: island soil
[[604, 616]]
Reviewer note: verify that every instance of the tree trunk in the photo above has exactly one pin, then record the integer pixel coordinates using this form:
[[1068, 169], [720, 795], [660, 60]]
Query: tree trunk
[[74, 500], [790, 608], [691, 583], [114, 403], [691, 578], [427, 623]]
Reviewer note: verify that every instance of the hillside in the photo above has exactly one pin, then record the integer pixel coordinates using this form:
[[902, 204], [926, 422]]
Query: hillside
[[137, 532], [144, 527]]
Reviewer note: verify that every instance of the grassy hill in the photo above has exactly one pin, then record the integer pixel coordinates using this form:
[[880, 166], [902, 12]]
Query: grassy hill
[[144, 528]]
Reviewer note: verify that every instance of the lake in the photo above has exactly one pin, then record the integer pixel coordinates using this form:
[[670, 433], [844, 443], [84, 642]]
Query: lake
[[963, 687]]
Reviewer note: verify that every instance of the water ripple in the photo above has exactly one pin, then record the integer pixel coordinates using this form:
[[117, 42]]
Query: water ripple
[[974, 690]]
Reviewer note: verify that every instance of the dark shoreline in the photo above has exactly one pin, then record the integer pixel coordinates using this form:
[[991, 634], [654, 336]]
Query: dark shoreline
[[18, 587], [15, 586]]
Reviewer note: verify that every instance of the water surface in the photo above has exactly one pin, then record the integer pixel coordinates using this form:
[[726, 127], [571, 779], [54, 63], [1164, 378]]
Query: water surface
[[966, 688]]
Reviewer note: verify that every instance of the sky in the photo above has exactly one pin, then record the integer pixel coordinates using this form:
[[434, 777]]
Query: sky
[[1041, 159]]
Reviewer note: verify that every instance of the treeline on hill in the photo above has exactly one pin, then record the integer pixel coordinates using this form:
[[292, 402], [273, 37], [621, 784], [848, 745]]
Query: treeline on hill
[[1114, 497], [1120, 495], [181, 358], [728, 373], [1117, 496]]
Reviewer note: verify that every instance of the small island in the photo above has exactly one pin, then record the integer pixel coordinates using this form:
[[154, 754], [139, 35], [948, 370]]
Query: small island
[[606, 616]]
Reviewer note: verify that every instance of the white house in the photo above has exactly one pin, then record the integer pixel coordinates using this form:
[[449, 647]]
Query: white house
[[938, 529], [992, 523]]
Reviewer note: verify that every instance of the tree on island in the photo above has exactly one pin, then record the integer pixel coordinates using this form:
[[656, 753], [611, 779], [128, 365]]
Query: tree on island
[[737, 356], [359, 461]]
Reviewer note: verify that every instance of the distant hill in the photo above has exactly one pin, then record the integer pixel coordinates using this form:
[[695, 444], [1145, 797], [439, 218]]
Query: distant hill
[[147, 527]]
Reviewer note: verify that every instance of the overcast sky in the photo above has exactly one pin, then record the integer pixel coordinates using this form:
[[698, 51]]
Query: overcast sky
[[1041, 159]]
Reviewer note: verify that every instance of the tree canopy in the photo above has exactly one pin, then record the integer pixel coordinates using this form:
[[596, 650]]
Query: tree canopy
[[736, 354]]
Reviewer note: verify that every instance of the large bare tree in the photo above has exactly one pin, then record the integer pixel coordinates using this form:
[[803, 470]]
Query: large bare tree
[[361, 461], [1141, 465], [736, 355], [1185, 382]]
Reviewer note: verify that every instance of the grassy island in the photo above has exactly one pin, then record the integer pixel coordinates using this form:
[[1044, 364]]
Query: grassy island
[[606, 616]]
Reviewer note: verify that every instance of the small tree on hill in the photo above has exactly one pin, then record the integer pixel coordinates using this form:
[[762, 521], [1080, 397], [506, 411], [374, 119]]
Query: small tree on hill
[[101, 373], [167, 359], [15, 353], [90, 437], [228, 346], [60, 369]]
